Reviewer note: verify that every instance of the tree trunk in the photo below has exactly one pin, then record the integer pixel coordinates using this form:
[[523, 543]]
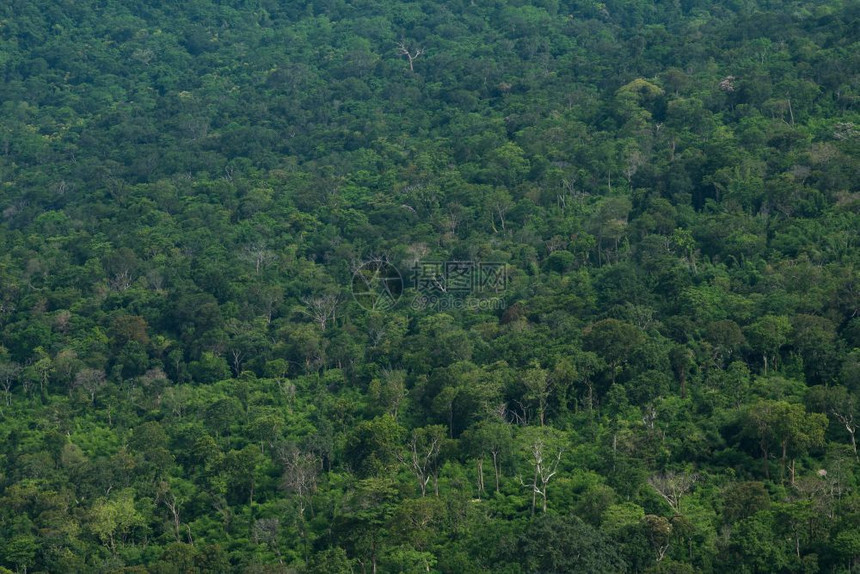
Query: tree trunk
[[853, 441], [590, 395], [782, 461]]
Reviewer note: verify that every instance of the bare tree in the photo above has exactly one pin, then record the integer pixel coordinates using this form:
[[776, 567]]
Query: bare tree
[[91, 381], [498, 203], [321, 309], [411, 55], [258, 255], [167, 497], [556, 243], [519, 416], [121, 280], [545, 457], [265, 531], [844, 406], [9, 373], [454, 216], [479, 460], [634, 161], [500, 411], [672, 486], [301, 470], [569, 192], [417, 252], [846, 417], [288, 390], [153, 382], [236, 358], [176, 400], [424, 448]]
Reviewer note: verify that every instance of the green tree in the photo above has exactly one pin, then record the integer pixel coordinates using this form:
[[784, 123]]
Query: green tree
[[554, 543], [614, 341], [767, 336], [372, 448], [114, 520], [787, 427]]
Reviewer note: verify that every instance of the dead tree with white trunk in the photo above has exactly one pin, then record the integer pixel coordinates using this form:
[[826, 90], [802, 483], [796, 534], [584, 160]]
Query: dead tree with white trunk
[[424, 448], [546, 450], [321, 309], [671, 486], [300, 472], [411, 55]]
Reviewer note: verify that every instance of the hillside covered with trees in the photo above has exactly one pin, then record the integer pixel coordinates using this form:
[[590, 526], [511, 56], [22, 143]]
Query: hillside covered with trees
[[494, 286]]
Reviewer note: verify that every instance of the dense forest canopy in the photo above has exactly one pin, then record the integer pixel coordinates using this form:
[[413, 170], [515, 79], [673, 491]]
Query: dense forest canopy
[[610, 250]]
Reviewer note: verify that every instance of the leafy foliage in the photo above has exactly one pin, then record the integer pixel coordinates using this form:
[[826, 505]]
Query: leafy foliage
[[666, 381]]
